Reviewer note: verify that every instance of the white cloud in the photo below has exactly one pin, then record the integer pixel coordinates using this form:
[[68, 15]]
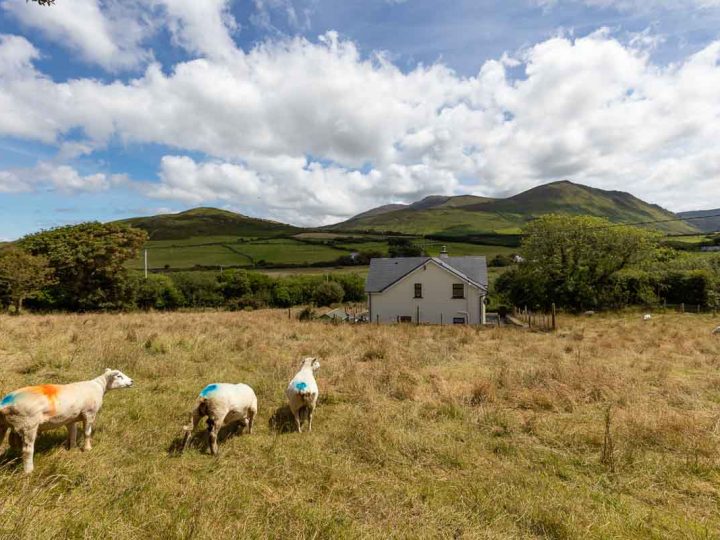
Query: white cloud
[[312, 131], [202, 27], [107, 32], [50, 176]]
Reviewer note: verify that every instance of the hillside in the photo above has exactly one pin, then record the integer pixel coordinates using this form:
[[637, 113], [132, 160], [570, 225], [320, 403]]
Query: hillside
[[200, 222], [468, 214], [705, 224]]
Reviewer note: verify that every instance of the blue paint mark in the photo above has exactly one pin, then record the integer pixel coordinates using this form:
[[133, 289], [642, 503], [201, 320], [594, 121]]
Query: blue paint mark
[[7, 400], [300, 386], [209, 389]]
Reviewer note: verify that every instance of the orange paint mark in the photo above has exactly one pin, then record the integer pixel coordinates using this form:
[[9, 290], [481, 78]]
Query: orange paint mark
[[50, 391]]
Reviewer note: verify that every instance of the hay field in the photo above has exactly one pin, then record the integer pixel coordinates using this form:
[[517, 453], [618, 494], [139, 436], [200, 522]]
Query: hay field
[[421, 432]]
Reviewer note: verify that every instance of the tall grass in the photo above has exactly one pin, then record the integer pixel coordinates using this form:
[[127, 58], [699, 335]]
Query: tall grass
[[421, 432]]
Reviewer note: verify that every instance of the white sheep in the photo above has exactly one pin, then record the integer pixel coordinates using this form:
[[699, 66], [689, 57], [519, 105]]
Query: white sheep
[[302, 392], [716, 331], [647, 317], [32, 409], [222, 403]]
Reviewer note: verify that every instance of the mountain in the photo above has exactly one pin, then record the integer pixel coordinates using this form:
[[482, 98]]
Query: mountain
[[208, 222], [705, 224], [468, 214]]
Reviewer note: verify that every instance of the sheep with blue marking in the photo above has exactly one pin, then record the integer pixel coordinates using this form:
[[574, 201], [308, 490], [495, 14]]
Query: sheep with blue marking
[[302, 392], [222, 403], [32, 409]]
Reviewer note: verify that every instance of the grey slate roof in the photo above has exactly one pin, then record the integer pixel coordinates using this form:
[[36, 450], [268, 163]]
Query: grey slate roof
[[385, 272]]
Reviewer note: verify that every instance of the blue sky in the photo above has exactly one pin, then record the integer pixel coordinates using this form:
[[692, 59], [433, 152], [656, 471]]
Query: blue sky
[[309, 111]]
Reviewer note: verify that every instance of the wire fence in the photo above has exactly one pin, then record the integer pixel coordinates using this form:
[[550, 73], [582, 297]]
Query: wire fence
[[536, 320]]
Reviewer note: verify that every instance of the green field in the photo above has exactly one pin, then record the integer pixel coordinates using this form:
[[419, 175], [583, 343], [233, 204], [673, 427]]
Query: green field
[[257, 253]]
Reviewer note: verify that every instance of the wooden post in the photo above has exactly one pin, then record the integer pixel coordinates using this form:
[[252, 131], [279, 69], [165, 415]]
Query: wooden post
[[377, 319], [554, 317], [682, 307], [529, 319], [441, 319], [289, 316]]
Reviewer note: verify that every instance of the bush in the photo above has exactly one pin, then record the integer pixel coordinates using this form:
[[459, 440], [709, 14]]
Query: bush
[[328, 293], [199, 289], [157, 292]]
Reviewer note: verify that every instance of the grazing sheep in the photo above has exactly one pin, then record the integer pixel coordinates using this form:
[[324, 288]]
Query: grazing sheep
[[647, 317], [302, 392], [32, 409], [222, 404], [716, 331]]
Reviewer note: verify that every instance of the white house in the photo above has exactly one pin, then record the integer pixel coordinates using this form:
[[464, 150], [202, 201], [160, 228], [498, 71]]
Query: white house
[[436, 290]]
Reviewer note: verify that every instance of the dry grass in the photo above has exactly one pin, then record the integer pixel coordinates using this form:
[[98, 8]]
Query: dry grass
[[421, 432]]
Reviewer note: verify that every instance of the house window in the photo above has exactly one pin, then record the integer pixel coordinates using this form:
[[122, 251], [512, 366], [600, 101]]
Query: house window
[[418, 290], [458, 290], [404, 318], [458, 320]]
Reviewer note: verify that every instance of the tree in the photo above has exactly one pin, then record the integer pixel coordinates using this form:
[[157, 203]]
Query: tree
[[44, 2], [572, 260], [23, 275], [328, 292], [403, 247], [89, 263]]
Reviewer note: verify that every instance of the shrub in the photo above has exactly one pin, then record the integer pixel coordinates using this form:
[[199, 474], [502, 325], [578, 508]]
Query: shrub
[[157, 292], [199, 289], [327, 293]]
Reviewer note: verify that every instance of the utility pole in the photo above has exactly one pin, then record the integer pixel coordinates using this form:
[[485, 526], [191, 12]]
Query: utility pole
[[145, 263]]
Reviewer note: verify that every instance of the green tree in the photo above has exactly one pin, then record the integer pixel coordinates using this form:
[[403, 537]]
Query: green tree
[[328, 292], [157, 292], [23, 275], [89, 263], [572, 260]]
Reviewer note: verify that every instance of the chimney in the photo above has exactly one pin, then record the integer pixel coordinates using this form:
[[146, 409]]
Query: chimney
[[444, 253]]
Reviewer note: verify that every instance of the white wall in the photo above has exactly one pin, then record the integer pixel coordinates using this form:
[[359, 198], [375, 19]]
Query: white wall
[[437, 298]]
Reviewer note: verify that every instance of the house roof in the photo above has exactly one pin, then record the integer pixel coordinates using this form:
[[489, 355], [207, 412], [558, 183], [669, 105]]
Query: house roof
[[385, 272]]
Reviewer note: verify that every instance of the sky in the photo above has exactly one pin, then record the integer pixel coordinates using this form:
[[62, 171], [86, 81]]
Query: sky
[[311, 111]]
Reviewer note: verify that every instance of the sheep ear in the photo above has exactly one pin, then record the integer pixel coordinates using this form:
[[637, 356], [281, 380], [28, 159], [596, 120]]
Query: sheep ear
[[315, 364], [107, 370]]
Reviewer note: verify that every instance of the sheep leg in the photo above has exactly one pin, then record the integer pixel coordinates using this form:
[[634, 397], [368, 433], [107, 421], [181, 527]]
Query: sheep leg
[[309, 417], [213, 430], [3, 430], [72, 436], [296, 414], [28, 449], [190, 428], [249, 421], [88, 421]]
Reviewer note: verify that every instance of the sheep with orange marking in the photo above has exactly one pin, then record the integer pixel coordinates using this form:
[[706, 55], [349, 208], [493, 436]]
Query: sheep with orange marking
[[32, 409], [302, 392], [222, 403]]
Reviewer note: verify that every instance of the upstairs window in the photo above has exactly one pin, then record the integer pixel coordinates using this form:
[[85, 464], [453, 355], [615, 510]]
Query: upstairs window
[[418, 290], [458, 290]]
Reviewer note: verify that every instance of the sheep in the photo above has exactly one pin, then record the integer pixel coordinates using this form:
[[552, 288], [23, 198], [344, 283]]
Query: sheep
[[647, 317], [716, 331], [33, 409], [222, 403], [302, 392]]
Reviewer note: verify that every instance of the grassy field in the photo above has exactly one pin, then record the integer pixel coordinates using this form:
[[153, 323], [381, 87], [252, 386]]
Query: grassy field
[[235, 251], [421, 432]]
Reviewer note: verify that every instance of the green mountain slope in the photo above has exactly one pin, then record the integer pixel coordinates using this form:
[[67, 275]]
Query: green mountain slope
[[705, 224], [208, 222], [468, 214]]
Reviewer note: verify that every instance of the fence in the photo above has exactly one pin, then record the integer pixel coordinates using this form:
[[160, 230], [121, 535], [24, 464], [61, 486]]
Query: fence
[[536, 320]]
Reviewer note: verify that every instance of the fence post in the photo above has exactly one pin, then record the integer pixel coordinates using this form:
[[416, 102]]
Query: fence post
[[682, 307], [554, 317], [289, 316], [529, 318], [417, 315], [441, 319], [377, 320]]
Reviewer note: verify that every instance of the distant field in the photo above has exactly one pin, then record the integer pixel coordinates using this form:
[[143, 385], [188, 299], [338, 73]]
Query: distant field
[[420, 432], [247, 252]]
